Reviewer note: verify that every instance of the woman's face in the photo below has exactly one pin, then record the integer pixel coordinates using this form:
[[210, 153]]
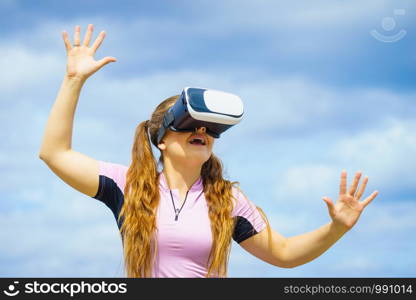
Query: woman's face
[[192, 147]]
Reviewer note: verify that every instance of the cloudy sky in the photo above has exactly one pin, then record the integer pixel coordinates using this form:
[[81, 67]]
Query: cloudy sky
[[321, 94]]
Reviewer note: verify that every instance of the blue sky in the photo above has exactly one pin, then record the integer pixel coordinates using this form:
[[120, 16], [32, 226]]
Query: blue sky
[[321, 94]]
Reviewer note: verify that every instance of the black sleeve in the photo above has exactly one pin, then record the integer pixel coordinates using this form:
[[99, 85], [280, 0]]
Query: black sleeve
[[248, 220], [243, 230], [110, 194]]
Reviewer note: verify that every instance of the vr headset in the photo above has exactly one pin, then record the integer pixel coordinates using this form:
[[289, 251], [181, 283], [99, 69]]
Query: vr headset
[[198, 107]]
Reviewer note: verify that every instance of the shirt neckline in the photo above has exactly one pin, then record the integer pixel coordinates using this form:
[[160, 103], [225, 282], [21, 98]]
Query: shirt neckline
[[197, 186]]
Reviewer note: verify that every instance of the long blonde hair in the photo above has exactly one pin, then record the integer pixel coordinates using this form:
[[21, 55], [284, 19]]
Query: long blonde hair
[[141, 199]]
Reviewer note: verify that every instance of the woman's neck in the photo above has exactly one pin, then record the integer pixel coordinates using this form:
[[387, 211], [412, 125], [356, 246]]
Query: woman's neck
[[181, 176]]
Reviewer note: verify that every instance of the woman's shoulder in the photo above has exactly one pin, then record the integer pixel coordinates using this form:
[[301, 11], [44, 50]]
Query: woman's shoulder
[[114, 171], [248, 216], [241, 201]]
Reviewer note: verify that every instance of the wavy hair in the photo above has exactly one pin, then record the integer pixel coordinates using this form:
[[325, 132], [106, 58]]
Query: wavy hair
[[142, 197]]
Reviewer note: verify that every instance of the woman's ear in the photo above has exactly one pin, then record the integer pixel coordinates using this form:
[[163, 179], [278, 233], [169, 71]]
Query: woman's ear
[[162, 145]]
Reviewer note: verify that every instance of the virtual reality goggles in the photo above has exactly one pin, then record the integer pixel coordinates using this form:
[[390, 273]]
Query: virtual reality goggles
[[198, 107]]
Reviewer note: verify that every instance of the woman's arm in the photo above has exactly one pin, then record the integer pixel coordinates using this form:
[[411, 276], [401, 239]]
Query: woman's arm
[[298, 250], [76, 169], [294, 251]]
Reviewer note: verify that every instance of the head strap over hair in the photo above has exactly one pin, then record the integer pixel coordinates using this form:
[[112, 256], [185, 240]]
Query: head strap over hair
[[146, 128]]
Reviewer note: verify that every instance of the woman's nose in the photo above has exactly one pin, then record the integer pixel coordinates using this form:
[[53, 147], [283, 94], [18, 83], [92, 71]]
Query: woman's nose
[[201, 129]]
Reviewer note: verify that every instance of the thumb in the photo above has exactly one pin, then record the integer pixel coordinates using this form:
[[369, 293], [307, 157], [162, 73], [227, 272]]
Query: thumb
[[106, 60], [330, 205]]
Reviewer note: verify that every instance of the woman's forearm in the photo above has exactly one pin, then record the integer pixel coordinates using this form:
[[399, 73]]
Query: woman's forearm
[[303, 248], [58, 130]]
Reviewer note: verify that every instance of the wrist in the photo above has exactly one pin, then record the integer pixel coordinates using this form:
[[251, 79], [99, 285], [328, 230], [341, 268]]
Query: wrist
[[339, 228], [75, 78]]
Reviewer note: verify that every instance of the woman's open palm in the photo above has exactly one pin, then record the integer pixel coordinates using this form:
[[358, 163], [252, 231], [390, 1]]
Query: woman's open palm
[[348, 208], [81, 62]]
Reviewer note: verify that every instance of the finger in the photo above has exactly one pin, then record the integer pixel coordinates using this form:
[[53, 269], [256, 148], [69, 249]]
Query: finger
[[106, 60], [370, 198], [362, 188], [88, 35], [77, 35], [343, 184], [66, 40], [354, 185], [330, 205], [98, 41]]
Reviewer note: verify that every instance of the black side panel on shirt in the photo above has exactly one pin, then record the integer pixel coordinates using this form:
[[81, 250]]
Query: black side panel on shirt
[[109, 193], [243, 230]]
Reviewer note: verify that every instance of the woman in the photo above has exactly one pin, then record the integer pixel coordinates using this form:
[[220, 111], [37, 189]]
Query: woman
[[178, 222]]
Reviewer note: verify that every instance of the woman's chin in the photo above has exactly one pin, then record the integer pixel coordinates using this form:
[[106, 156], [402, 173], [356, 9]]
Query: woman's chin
[[198, 158]]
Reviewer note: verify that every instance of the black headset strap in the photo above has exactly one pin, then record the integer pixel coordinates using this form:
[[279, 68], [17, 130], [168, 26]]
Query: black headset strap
[[168, 119]]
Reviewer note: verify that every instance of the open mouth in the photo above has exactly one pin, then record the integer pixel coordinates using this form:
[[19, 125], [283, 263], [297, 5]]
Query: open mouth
[[197, 141]]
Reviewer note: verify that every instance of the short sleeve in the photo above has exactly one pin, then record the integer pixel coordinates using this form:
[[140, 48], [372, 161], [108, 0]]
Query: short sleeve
[[249, 221], [112, 180]]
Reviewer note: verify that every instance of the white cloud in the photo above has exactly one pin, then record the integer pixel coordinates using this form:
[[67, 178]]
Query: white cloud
[[63, 229], [26, 69], [394, 217], [306, 183], [383, 154], [276, 14], [386, 152]]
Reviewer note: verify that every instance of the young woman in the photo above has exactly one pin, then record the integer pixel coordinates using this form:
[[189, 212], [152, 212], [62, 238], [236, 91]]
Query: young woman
[[178, 222]]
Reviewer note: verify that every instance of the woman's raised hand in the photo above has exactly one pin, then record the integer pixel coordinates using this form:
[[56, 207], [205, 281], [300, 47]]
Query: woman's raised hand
[[348, 208], [81, 63]]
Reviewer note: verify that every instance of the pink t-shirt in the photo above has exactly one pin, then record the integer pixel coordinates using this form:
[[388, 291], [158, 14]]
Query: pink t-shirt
[[183, 243]]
